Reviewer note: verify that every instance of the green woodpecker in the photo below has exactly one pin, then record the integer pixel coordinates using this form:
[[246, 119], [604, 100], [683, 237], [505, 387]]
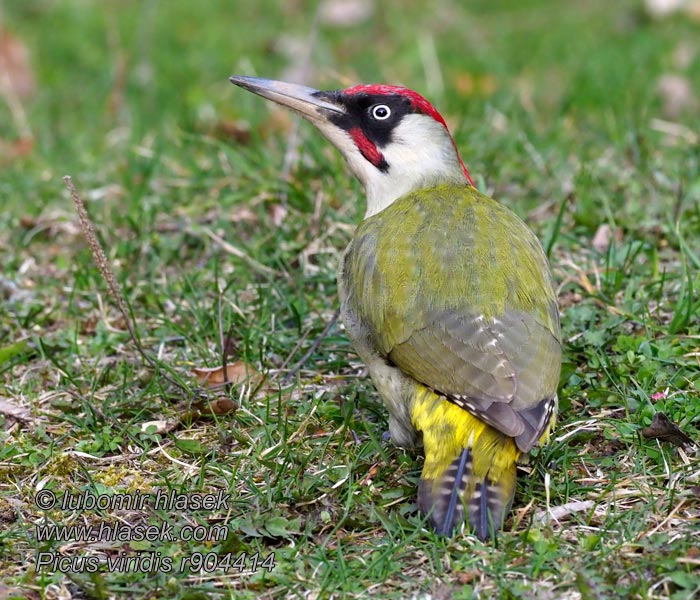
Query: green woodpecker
[[447, 297]]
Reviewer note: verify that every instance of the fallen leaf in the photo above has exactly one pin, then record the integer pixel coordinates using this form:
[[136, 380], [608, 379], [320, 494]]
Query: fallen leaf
[[237, 372], [662, 428], [218, 406], [206, 407]]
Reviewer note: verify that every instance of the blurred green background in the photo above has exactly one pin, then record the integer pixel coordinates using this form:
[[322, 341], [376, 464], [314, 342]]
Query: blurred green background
[[113, 75]]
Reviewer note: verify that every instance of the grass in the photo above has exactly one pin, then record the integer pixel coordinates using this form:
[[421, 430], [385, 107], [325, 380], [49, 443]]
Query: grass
[[556, 108]]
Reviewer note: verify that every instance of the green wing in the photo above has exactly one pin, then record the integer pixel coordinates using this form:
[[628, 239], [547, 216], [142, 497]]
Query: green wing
[[455, 291]]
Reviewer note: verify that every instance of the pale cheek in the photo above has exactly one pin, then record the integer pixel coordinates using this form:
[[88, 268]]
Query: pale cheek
[[359, 165]]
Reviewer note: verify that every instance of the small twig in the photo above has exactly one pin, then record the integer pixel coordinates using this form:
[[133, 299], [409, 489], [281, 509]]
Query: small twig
[[113, 286], [298, 345], [225, 340], [317, 342], [228, 348], [559, 513], [231, 249]]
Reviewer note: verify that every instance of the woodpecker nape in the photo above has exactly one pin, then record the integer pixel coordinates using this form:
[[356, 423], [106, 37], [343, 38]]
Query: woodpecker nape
[[446, 296]]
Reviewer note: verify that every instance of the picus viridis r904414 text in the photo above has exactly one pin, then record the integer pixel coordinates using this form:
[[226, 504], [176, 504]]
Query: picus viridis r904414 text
[[447, 297]]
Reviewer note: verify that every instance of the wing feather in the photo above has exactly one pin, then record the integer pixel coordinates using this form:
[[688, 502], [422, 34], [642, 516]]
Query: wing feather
[[475, 319]]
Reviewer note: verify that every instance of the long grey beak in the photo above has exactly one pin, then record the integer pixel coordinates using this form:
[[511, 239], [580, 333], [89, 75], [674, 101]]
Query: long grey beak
[[305, 100]]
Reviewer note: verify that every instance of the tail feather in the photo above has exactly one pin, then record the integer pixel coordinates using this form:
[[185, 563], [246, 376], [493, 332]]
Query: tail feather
[[444, 501], [486, 502], [464, 465], [469, 471], [479, 510]]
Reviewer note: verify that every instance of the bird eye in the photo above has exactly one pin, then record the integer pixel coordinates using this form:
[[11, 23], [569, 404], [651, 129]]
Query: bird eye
[[381, 112]]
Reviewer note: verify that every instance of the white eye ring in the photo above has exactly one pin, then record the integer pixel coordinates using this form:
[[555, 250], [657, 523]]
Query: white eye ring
[[381, 112]]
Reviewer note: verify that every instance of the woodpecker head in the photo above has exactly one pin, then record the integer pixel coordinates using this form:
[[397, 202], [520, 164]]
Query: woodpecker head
[[393, 139]]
